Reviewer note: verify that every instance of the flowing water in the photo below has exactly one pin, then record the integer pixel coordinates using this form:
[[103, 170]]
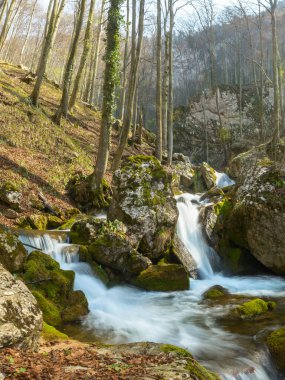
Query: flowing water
[[125, 314]]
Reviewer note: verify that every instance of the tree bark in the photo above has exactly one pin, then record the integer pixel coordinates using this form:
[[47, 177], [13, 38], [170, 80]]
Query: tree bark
[[158, 150]]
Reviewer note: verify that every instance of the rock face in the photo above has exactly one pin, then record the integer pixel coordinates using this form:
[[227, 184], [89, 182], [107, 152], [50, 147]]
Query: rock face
[[200, 122], [143, 201], [20, 316], [12, 252], [184, 256], [10, 195], [258, 217]]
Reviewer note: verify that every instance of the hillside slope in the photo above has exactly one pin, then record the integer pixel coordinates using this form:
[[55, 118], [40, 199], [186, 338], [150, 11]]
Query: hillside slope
[[37, 155]]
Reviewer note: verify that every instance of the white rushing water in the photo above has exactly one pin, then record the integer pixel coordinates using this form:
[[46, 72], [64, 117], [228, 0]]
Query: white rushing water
[[125, 314]]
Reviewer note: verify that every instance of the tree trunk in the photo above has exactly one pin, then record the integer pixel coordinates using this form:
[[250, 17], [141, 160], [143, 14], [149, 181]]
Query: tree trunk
[[51, 30], [109, 89], [84, 56], [276, 117], [28, 32], [136, 52], [125, 65], [63, 107], [158, 150], [170, 96], [165, 93]]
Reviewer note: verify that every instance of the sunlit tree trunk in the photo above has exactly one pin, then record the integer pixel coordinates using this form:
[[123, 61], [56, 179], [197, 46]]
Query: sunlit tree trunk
[[28, 32], [125, 64], [158, 150], [170, 94]]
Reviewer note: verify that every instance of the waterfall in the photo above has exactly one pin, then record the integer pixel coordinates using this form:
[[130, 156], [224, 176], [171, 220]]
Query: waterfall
[[190, 232], [223, 180], [124, 314]]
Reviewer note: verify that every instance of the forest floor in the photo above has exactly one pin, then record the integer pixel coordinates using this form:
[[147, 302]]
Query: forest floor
[[71, 360], [35, 153]]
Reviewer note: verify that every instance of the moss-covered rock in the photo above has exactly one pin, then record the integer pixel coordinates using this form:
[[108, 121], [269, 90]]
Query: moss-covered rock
[[183, 176], [34, 222], [10, 194], [276, 345], [52, 334], [12, 252], [54, 222], [80, 190], [143, 201], [209, 175], [253, 308], [53, 289], [84, 231], [215, 292], [163, 278], [196, 371], [112, 248]]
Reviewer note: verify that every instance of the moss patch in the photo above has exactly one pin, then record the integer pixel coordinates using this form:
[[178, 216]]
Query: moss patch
[[51, 333], [276, 345], [254, 308]]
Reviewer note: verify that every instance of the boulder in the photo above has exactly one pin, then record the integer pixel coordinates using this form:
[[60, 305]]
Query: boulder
[[209, 175], [144, 202], [276, 345], [12, 252], [181, 252], [215, 292], [183, 175], [53, 289], [257, 221], [11, 195], [113, 248], [20, 316], [251, 309], [163, 278]]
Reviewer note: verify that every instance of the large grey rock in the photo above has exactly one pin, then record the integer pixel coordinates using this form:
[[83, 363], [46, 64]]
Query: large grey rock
[[12, 251], [20, 316], [184, 256], [144, 202], [10, 195]]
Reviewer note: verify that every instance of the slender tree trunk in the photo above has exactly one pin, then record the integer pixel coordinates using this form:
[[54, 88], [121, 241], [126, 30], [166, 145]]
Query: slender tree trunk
[[125, 65], [28, 32], [84, 56], [6, 24], [170, 96], [96, 54], [63, 107], [136, 52], [51, 30], [276, 131], [109, 90], [158, 150], [165, 93]]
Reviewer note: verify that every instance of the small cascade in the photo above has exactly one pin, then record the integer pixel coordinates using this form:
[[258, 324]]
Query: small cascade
[[44, 241], [190, 232], [223, 180]]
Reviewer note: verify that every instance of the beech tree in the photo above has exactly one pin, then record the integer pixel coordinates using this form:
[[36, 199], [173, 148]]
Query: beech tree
[[53, 17], [63, 107], [112, 59]]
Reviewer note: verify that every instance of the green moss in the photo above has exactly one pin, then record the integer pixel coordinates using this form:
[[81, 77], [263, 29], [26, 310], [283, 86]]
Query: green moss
[[51, 312], [51, 333], [215, 292], [169, 348], [195, 369], [276, 345], [224, 207], [170, 277], [38, 222], [68, 225], [254, 308], [54, 222]]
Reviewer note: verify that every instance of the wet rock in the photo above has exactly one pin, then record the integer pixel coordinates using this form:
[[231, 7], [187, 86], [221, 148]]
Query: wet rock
[[183, 175], [20, 316], [163, 278], [276, 345], [184, 256], [85, 231], [113, 248], [143, 201], [215, 292], [53, 289], [180, 158], [251, 309], [12, 252], [209, 175]]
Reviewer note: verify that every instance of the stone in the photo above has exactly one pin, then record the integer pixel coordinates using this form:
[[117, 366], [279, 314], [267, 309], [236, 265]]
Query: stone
[[10, 194], [209, 175], [163, 278], [10, 213], [251, 309], [12, 252], [276, 344], [20, 316], [180, 158], [84, 231], [143, 200], [183, 173], [215, 292], [182, 253], [113, 248]]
